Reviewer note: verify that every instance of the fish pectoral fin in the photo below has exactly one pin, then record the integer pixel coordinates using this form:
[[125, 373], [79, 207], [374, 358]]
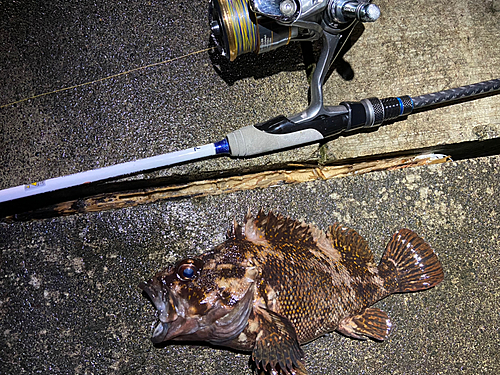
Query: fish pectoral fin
[[372, 322], [277, 348]]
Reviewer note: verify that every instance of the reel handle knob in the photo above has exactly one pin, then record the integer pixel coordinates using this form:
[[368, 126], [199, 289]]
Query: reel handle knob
[[362, 12], [344, 11]]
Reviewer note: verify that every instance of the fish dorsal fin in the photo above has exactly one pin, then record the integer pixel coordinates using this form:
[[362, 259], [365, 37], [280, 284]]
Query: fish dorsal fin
[[279, 230], [353, 248], [235, 231], [254, 229]]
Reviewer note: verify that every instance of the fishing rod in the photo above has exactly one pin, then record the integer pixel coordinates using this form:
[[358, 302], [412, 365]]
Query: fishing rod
[[274, 135], [239, 27]]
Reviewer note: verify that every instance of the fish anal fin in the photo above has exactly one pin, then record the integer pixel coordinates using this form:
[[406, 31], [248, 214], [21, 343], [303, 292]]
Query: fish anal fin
[[372, 322], [409, 264], [354, 250], [276, 348]]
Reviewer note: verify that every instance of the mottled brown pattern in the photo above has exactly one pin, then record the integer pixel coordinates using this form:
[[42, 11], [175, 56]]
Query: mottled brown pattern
[[276, 283]]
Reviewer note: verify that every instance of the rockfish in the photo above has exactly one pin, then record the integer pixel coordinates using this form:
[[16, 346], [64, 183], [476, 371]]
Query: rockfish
[[277, 283]]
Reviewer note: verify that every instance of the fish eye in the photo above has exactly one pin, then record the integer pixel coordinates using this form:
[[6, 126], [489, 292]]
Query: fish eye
[[187, 270]]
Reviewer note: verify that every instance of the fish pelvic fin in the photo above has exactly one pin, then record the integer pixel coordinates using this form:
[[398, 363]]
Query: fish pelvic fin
[[277, 349], [409, 264], [372, 322]]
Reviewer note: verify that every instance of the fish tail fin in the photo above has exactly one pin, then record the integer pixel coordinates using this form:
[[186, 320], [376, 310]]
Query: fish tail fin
[[409, 264]]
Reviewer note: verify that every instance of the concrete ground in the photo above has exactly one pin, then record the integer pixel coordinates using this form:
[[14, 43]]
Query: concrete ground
[[70, 301]]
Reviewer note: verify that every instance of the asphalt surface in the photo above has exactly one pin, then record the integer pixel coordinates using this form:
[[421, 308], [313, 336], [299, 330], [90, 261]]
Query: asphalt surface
[[70, 301]]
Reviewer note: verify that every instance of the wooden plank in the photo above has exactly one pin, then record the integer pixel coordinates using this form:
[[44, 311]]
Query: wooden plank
[[418, 47], [415, 47], [261, 180]]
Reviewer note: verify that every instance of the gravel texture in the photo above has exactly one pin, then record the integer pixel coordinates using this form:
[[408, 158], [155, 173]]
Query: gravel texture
[[71, 302]]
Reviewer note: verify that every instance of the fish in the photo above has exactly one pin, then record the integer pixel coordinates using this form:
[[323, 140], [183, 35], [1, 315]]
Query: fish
[[277, 283]]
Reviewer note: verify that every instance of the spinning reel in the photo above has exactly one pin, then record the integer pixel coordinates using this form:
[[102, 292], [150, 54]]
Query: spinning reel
[[243, 26]]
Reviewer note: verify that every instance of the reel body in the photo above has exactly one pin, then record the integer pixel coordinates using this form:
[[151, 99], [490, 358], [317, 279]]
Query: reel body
[[242, 26]]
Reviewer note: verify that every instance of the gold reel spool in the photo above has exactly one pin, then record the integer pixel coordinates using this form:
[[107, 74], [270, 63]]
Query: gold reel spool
[[237, 30], [241, 30]]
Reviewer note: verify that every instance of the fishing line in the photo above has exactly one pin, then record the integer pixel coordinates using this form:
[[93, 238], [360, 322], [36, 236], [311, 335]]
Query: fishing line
[[106, 78]]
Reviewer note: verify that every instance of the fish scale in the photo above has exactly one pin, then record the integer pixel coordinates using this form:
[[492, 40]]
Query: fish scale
[[277, 283]]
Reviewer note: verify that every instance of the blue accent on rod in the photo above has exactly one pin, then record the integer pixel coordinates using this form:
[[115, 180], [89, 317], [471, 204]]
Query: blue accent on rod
[[221, 147], [401, 106]]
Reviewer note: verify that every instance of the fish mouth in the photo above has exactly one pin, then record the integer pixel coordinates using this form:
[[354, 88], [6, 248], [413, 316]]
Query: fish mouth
[[216, 326], [165, 306], [172, 322], [159, 332]]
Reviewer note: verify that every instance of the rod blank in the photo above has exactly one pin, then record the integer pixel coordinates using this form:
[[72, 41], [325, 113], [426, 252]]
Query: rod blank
[[107, 173]]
